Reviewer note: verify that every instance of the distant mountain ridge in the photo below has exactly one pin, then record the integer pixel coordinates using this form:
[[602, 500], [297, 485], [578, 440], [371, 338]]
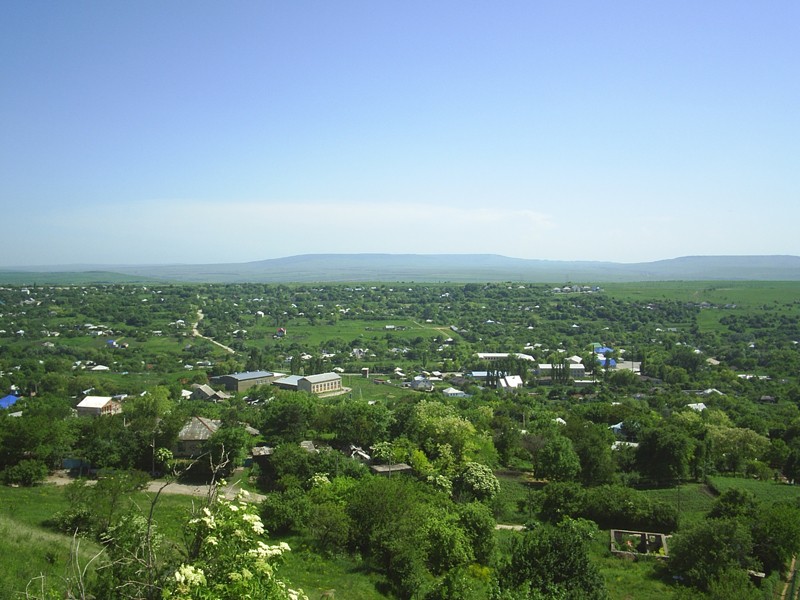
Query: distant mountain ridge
[[424, 268]]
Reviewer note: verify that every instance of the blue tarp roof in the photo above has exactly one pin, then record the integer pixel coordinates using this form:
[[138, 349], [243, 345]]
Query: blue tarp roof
[[603, 350], [8, 401], [611, 361]]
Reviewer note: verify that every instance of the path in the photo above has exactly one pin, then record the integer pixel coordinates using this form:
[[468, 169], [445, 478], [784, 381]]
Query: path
[[230, 491], [510, 527], [196, 333], [789, 578], [440, 328]]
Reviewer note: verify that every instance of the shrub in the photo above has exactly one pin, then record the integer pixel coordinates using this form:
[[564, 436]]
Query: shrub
[[26, 472]]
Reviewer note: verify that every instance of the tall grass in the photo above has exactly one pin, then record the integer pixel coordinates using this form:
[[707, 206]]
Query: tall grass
[[39, 560]]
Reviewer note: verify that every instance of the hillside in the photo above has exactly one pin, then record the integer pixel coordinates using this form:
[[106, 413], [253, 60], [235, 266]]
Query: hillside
[[422, 268]]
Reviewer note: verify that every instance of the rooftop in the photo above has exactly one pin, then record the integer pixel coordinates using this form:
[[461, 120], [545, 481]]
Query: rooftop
[[94, 402], [251, 375]]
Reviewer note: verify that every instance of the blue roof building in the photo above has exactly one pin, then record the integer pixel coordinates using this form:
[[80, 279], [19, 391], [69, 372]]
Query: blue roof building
[[9, 400]]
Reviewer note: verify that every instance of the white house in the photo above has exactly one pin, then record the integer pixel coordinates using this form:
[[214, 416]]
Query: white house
[[93, 406]]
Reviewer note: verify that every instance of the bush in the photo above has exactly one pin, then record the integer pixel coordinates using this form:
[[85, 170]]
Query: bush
[[610, 506], [26, 472]]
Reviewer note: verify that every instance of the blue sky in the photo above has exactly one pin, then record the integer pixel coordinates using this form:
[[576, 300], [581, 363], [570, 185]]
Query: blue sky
[[208, 132]]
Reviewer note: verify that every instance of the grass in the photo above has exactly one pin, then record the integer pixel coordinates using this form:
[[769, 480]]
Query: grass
[[39, 558], [692, 500], [628, 579], [29, 551], [745, 294], [314, 574], [764, 491], [31, 506], [514, 493]]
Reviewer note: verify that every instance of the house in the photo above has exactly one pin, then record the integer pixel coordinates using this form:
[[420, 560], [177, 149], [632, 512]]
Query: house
[[94, 406], [452, 392], [9, 400], [239, 382], [261, 455], [619, 445], [320, 384], [287, 383], [309, 446], [509, 382], [421, 385], [202, 391], [576, 370], [492, 356], [193, 435], [389, 470]]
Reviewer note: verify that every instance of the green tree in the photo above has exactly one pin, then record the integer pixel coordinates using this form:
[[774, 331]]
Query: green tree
[[476, 481], [557, 460], [553, 560], [707, 549], [592, 443], [664, 454], [776, 535]]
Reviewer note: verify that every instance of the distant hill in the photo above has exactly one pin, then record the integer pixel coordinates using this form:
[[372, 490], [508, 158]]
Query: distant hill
[[422, 268]]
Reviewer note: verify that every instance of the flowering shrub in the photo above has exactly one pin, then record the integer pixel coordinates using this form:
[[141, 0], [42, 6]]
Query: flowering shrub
[[229, 557]]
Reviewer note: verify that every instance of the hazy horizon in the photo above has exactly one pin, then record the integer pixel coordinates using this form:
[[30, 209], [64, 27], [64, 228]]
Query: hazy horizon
[[86, 265], [158, 134]]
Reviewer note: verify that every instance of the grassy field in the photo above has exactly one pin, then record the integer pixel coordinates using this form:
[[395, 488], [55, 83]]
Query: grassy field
[[315, 574], [692, 501], [30, 551], [764, 491], [745, 294]]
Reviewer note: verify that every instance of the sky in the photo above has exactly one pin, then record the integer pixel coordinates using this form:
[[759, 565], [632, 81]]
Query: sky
[[163, 132]]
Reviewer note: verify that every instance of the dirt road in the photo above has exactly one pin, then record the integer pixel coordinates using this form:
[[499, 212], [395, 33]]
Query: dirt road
[[230, 491], [196, 333]]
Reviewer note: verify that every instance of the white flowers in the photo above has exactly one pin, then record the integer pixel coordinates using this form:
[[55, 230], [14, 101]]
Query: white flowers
[[232, 557], [188, 576], [266, 551], [255, 523]]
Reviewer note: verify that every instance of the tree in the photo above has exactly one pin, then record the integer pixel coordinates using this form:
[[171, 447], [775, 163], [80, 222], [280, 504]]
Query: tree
[[664, 454], [554, 560], [776, 535], [592, 444], [708, 548], [507, 439], [557, 460], [228, 445], [287, 416], [26, 472], [360, 423], [478, 523], [734, 446], [476, 481], [734, 504], [435, 425]]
